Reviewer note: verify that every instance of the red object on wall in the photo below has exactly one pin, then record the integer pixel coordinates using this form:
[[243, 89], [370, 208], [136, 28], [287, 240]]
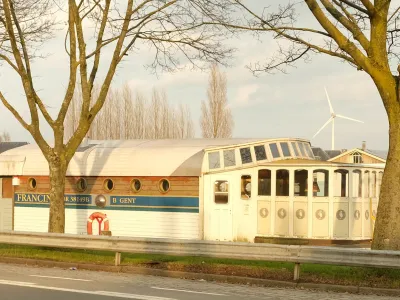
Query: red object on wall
[[100, 217]]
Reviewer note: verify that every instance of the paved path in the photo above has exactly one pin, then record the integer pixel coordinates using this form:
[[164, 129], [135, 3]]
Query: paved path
[[21, 282]]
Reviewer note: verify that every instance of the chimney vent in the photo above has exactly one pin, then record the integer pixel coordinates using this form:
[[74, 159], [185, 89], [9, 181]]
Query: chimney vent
[[364, 145]]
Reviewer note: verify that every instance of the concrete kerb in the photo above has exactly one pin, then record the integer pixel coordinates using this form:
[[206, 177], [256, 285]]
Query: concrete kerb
[[203, 276]]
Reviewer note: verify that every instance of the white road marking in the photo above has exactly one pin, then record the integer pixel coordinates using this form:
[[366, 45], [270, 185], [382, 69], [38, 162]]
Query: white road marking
[[187, 291], [98, 293], [66, 278], [19, 283]]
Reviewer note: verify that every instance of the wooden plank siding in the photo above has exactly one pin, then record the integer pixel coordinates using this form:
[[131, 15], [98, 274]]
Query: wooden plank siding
[[179, 186], [349, 159]]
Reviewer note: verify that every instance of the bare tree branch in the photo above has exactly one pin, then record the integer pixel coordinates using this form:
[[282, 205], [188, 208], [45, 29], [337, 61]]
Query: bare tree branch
[[353, 5]]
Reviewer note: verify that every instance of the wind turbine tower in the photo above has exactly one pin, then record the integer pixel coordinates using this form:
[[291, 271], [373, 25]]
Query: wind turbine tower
[[332, 120]]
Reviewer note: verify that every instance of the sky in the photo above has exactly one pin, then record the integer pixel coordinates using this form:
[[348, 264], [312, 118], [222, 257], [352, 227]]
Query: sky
[[269, 105]]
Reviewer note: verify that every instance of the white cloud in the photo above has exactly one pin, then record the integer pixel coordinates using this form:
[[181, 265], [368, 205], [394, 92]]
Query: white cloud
[[244, 96]]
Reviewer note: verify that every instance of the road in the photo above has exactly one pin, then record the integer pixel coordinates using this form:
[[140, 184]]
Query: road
[[34, 283]]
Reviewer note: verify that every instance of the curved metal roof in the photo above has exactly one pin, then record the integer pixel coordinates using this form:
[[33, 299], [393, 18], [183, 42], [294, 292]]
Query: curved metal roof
[[121, 158]]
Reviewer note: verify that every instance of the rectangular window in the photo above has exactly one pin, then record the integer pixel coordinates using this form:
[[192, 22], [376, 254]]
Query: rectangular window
[[373, 187], [367, 182], [320, 183], [264, 182], [246, 187], [282, 183], [221, 192], [341, 183], [296, 152], [357, 158], [274, 150], [309, 151], [302, 150], [285, 149], [213, 160], [245, 154], [300, 182], [260, 152], [229, 158]]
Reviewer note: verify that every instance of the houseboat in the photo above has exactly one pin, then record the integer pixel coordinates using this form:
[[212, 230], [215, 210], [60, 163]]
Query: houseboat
[[212, 189]]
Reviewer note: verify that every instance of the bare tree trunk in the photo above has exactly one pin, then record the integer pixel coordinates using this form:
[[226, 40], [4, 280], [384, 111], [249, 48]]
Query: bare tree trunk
[[58, 170], [387, 226]]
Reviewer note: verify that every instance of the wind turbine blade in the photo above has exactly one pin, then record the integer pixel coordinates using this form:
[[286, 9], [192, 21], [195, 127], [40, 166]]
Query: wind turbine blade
[[329, 101], [343, 117], [327, 122]]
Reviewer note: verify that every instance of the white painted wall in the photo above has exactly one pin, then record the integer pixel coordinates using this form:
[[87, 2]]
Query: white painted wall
[[122, 223]]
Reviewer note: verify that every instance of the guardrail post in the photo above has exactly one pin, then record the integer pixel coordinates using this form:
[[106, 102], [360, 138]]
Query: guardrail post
[[296, 275], [117, 258]]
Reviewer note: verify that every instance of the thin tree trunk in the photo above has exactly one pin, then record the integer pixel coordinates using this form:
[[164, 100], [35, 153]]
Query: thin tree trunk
[[58, 170]]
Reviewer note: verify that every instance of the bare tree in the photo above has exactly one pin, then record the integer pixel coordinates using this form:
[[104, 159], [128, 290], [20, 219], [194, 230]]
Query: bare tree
[[158, 119], [183, 123], [139, 117], [154, 115], [362, 33], [127, 113], [216, 117], [5, 137], [171, 29]]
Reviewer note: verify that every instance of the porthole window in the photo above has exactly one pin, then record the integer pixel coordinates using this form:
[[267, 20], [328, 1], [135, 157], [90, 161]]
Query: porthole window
[[81, 185], [136, 185], [32, 184], [108, 185], [164, 185]]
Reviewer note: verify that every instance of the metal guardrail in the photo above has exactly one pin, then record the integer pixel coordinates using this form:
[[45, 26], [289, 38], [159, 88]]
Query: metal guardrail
[[247, 251]]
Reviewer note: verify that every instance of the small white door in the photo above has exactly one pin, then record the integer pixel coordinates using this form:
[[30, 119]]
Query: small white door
[[221, 208]]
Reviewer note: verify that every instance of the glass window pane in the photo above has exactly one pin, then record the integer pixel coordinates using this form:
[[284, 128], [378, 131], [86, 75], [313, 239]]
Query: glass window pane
[[245, 154], [274, 150], [320, 183], [260, 152], [296, 152], [285, 149], [213, 160], [246, 187], [341, 183], [309, 151], [373, 185], [300, 182], [302, 150], [264, 182], [221, 192], [282, 183], [229, 158], [357, 184], [367, 183]]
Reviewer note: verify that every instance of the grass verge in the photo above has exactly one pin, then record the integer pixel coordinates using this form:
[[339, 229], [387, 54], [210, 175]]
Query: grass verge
[[369, 277]]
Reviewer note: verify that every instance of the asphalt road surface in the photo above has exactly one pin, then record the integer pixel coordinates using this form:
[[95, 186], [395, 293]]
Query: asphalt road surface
[[22, 282]]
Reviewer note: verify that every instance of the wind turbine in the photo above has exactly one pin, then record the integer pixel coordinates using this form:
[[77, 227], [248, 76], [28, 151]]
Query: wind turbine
[[332, 119]]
